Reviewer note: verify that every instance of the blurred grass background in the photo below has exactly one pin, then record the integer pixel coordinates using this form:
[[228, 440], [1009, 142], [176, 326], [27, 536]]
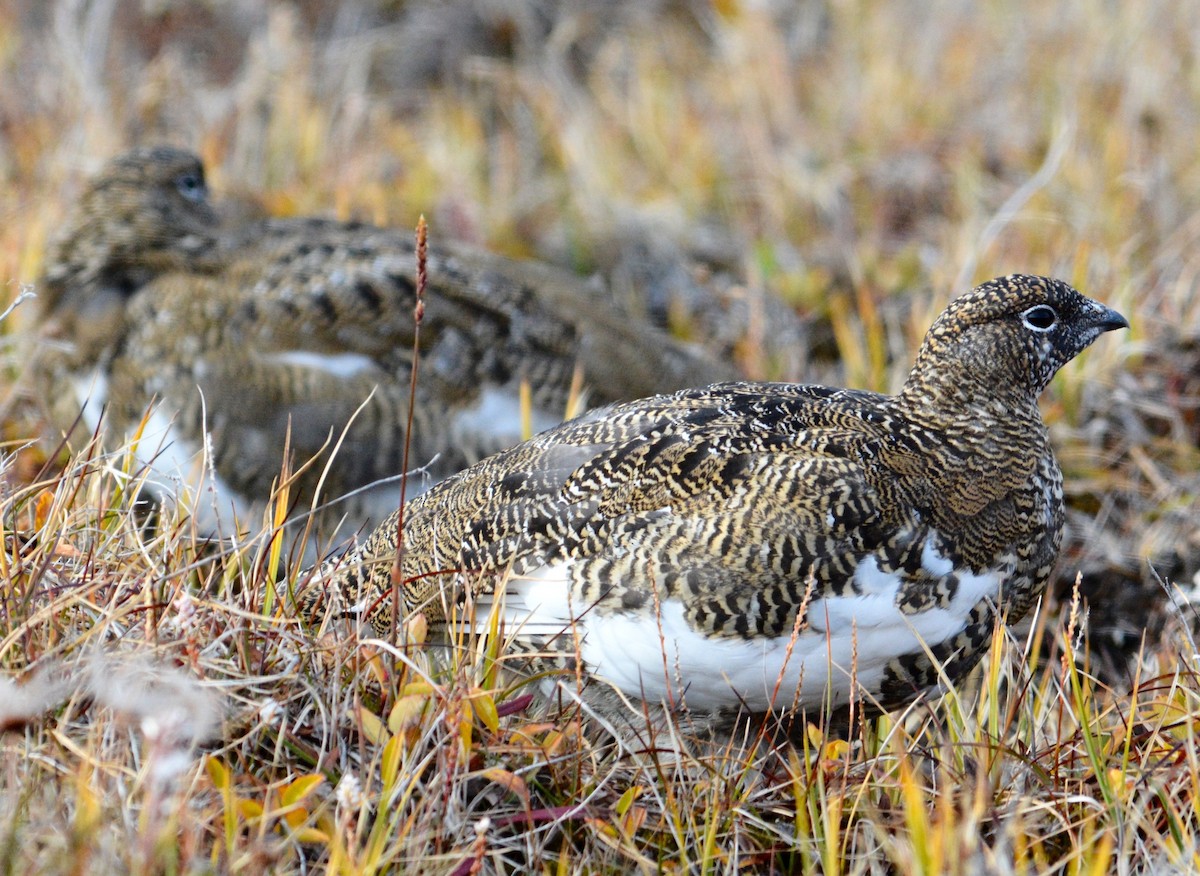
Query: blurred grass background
[[800, 186]]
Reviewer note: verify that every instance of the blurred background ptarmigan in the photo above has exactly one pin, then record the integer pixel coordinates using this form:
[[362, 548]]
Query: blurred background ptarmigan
[[298, 333]]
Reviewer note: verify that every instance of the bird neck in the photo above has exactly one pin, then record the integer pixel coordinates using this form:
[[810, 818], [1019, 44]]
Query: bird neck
[[90, 253], [986, 438], [944, 393]]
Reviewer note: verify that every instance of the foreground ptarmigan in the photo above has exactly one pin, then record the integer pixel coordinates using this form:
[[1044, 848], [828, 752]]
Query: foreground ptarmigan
[[695, 522], [283, 332]]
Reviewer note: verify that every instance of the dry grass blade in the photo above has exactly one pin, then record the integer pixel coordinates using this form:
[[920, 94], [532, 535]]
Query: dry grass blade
[[418, 316]]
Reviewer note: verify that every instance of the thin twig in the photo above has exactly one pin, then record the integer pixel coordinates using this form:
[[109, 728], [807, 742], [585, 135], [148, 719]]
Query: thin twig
[[25, 294]]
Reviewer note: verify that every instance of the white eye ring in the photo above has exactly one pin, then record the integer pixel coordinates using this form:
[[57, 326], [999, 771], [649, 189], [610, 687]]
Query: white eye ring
[[1040, 318]]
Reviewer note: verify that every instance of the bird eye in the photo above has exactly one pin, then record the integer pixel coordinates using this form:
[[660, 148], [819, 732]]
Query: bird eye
[[1040, 318], [191, 186]]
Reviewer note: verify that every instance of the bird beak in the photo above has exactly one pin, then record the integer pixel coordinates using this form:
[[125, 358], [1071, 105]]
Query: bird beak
[[1108, 319]]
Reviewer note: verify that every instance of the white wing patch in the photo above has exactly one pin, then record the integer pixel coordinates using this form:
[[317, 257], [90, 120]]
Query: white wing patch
[[932, 560], [335, 364], [178, 472], [498, 411], [871, 580]]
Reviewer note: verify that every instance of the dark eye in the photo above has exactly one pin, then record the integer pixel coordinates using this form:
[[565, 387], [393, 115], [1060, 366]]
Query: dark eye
[[191, 186], [1040, 317]]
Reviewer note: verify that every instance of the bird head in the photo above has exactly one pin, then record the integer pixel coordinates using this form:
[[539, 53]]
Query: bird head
[[147, 212], [1006, 337]]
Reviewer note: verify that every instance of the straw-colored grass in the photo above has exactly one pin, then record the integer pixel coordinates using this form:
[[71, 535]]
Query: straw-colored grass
[[849, 163]]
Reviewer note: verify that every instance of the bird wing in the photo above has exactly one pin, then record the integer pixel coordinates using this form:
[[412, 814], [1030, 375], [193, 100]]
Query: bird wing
[[487, 319], [722, 494]]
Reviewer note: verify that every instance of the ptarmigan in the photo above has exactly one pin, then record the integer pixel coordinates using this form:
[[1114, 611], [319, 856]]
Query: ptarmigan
[[749, 546], [299, 333]]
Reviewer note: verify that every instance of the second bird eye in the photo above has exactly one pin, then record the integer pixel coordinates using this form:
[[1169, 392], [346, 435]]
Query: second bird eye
[[192, 187]]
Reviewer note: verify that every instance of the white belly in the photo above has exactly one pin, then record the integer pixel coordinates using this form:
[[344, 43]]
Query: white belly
[[658, 656]]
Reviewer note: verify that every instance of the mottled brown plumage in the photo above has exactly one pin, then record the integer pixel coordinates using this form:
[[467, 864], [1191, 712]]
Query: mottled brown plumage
[[697, 520], [293, 329]]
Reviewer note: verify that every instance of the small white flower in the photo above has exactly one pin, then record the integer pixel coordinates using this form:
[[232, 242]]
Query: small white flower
[[349, 794], [269, 711], [185, 613]]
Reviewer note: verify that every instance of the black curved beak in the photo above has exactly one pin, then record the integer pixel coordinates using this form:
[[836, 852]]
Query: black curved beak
[[1108, 320]]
